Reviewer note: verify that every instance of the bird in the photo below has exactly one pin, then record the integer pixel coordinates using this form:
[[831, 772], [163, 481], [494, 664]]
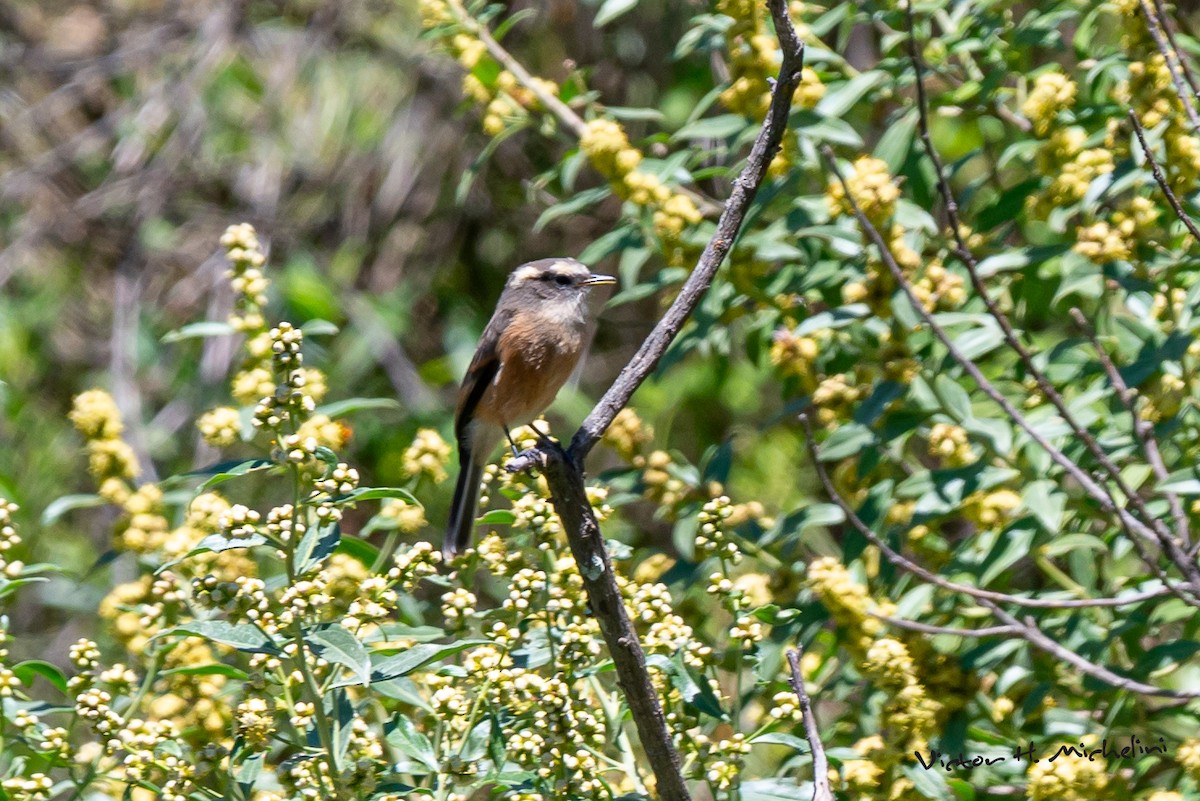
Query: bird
[[526, 353]]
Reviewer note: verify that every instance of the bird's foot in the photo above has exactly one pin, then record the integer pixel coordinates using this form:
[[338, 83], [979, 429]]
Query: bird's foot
[[526, 460]]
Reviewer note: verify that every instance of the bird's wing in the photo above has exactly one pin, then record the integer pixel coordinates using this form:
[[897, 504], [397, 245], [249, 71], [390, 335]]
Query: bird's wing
[[484, 368]]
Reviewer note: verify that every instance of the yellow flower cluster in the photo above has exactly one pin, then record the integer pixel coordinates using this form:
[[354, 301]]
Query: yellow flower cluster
[[950, 444], [1151, 93], [9, 539], [909, 714], [991, 509], [246, 260], [835, 397], [1052, 93], [794, 355], [1069, 777], [1102, 243], [871, 187], [427, 456], [628, 434], [1188, 757], [607, 147], [1062, 155], [754, 57], [221, 427], [847, 601], [95, 415], [1163, 397]]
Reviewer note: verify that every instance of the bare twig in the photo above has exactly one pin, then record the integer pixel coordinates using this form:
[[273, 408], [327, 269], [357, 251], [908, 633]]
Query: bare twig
[[904, 563], [1161, 179], [1142, 429], [1187, 100], [1010, 336], [925, 628], [564, 468], [1161, 11], [821, 788], [1039, 639], [1130, 523]]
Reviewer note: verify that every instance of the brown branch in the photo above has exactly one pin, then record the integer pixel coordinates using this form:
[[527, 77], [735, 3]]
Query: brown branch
[[821, 788], [1131, 524], [1161, 11], [904, 563], [1161, 179], [993, 309], [563, 469], [745, 186]]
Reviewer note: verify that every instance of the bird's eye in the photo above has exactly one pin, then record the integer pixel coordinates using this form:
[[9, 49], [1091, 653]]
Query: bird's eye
[[562, 280]]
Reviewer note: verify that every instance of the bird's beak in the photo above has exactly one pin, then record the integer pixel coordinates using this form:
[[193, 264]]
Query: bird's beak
[[598, 280]]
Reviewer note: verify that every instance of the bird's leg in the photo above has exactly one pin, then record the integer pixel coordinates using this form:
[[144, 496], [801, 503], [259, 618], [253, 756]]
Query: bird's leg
[[512, 443], [525, 460]]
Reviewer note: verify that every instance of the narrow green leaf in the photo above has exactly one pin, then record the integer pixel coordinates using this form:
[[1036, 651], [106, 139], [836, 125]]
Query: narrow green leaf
[[210, 328], [242, 636], [26, 672], [611, 9], [68, 503]]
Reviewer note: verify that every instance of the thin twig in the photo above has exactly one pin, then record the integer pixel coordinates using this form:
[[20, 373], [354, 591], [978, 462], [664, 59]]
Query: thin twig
[[821, 789], [1156, 32], [925, 628], [1161, 179], [1026, 630], [1161, 11], [1039, 639], [1142, 429], [1010, 336], [904, 563], [1130, 523]]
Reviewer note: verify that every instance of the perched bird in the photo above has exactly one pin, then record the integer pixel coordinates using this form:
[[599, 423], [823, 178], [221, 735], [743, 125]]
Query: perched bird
[[527, 352]]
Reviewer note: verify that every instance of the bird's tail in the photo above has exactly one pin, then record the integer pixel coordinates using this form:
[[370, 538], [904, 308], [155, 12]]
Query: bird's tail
[[466, 500]]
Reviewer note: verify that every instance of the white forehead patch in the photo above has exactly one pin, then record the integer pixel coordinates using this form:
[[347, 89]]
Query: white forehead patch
[[526, 273]]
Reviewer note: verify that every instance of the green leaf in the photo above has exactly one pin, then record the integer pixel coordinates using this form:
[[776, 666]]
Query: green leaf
[[350, 405], [215, 669], [1047, 505], [67, 503], [774, 790], [954, 398], [611, 9], [317, 544], [697, 694], [209, 328], [26, 672], [418, 656], [781, 738], [576, 204], [375, 493], [846, 441], [214, 543], [497, 517], [335, 644], [316, 328], [721, 127], [9, 586], [242, 636], [841, 97], [402, 735], [896, 142], [223, 471]]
